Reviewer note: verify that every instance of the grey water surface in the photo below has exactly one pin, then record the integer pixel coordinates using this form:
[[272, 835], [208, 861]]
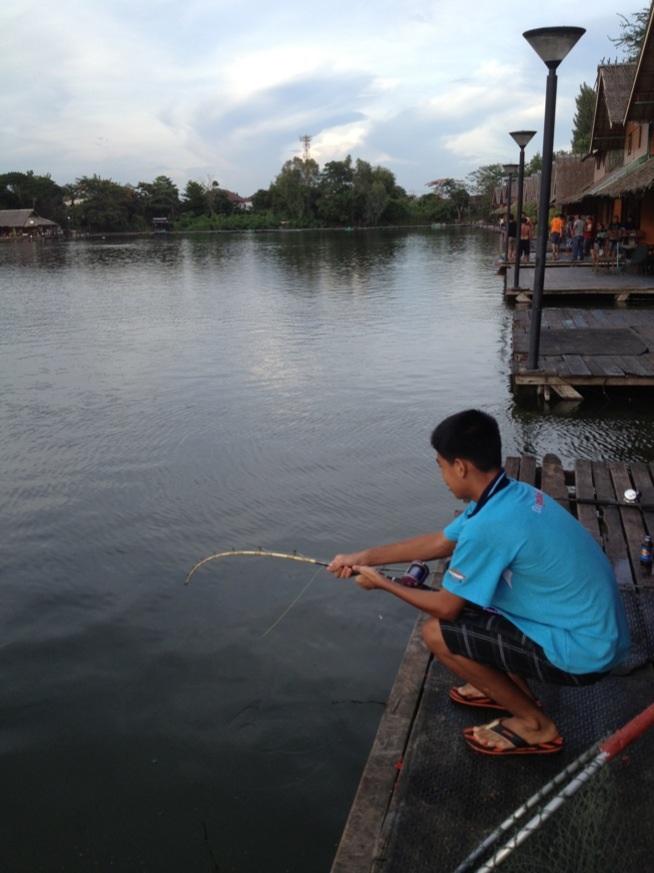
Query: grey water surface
[[162, 399]]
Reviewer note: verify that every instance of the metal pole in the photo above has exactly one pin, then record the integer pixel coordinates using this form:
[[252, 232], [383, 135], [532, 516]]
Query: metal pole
[[543, 220], [521, 178]]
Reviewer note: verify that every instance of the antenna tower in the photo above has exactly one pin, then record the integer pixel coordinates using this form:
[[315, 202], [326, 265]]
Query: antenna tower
[[306, 147]]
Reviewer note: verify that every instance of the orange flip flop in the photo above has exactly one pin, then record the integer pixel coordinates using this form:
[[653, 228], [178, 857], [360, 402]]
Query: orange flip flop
[[519, 746], [479, 701]]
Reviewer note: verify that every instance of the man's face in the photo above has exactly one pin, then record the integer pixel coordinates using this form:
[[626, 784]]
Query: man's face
[[451, 475]]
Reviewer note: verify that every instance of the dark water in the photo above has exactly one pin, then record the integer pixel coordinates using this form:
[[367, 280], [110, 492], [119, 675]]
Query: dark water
[[163, 399]]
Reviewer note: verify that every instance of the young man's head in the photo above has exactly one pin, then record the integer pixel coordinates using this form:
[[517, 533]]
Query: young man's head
[[472, 436]]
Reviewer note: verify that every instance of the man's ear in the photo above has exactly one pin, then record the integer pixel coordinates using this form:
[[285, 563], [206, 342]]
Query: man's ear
[[460, 468]]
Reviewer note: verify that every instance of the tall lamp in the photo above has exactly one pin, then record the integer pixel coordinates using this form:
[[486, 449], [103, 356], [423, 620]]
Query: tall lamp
[[509, 169], [551, 44], [521, 138]]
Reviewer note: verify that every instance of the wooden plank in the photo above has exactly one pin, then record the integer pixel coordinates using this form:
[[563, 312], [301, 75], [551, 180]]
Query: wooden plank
[[607, 365], [553, 480], [512, 467], [368, 813], [631, 515], [643, 477], [585, 489], [528, 469], [576, 365], [611, 523]]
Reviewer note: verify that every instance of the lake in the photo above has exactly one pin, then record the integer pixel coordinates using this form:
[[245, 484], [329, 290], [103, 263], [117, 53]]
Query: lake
[[166, 398]]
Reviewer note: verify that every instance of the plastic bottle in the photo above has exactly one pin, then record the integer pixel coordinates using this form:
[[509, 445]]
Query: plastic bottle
[[646, 553]]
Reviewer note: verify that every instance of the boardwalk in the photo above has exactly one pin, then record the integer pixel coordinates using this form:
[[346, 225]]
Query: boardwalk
[[585, 348], [425, 801], [581, 280]]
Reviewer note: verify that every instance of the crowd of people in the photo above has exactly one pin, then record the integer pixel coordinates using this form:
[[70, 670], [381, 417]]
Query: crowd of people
[[577, 236], [581, 237]]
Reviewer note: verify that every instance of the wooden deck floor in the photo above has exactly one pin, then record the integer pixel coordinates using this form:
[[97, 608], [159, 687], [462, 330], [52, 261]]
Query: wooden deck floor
[[579, 279], [585, 348], [422, 801]]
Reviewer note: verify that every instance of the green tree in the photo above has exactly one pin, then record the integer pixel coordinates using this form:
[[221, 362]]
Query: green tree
[[482, 184], [454, 191], [194, 202], [30, 191], [158, 199], [107, 206], [582, 123], [337, 201], [294, 189], [633, 32], [535, 165]]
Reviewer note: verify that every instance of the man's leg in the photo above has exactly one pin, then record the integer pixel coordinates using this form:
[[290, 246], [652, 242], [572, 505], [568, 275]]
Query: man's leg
[[527, 720]]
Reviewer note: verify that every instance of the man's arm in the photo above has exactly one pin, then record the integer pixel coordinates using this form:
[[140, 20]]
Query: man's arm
[[425, 547], [439, 604]]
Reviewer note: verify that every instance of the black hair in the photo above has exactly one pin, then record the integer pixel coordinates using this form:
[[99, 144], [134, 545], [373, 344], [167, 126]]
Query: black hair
[[471, 435]]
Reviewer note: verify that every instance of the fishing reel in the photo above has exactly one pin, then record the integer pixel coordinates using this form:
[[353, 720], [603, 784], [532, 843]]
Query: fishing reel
[[416, 576]]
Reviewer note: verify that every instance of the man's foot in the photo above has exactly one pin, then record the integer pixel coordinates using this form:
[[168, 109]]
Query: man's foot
[[500, 738], [468, 695]]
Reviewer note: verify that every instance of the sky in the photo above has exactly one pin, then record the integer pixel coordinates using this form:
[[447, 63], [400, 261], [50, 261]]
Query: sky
[[223, 90]]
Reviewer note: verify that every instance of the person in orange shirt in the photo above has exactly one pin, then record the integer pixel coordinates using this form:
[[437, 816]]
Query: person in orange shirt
[[557, 229]]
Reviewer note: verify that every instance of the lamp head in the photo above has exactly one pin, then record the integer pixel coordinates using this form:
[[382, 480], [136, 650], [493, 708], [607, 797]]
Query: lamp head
[[522, 137], [552, 44], [510, 169]]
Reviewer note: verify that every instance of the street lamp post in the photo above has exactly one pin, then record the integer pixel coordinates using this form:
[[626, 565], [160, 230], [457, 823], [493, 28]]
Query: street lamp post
[[551, 44], [509, 169], [521, 138]]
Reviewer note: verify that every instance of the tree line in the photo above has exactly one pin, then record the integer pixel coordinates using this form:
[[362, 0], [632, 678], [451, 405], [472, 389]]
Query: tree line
[[346, 193]]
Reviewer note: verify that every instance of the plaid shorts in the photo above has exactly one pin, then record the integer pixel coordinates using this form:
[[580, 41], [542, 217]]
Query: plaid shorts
[[491, 639]]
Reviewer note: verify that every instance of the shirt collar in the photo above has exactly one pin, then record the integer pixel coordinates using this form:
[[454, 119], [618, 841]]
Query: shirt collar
[[496, 485]]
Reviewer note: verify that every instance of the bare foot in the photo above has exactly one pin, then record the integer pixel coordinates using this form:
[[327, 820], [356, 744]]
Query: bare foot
[[545, 732], [469, 690]]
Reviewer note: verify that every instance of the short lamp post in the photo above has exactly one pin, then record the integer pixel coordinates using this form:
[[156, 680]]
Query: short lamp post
[[509, 170], [521, 138], [551, 44]]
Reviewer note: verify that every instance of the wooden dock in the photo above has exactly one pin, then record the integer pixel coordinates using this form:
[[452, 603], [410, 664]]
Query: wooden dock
[[423, 800], [585, 348], [581, 279]]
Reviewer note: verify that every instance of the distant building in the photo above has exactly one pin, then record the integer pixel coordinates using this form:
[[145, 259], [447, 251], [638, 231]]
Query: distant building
[[25, 222], [243, 203], [622, 148]]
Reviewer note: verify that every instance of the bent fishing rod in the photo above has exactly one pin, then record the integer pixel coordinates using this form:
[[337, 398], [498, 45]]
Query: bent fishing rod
[[415, 576]]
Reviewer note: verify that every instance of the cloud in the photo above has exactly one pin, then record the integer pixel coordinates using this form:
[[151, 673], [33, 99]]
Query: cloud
[[130, 91]]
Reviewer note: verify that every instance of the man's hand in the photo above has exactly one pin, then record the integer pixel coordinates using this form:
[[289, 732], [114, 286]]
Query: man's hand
[[342, 565], [368, 578]]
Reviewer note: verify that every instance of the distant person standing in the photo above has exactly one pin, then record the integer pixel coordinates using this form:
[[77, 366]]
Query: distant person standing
[[589, 233], [557, 233], [512, 231], [578, 239], [526, 236]]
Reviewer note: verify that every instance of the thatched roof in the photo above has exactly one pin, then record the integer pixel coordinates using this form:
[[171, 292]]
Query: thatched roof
[[571, 175], [23, 218], [641, 94], [635, 177], [613, 87]]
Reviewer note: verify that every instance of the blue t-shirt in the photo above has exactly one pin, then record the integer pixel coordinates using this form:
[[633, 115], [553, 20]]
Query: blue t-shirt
[[528, 558]]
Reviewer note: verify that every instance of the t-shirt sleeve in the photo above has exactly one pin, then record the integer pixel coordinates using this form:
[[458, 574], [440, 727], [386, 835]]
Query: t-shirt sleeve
[[477, 567]]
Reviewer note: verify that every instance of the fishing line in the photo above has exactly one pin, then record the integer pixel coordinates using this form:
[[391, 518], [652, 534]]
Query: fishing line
[[290, 606]]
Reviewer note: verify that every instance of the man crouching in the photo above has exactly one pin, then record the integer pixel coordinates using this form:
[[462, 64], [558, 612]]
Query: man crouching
[[528, 593]]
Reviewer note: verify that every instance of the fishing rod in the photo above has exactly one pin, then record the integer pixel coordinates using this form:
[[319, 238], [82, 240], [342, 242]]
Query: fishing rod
[[415, 576], [254, 552]]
